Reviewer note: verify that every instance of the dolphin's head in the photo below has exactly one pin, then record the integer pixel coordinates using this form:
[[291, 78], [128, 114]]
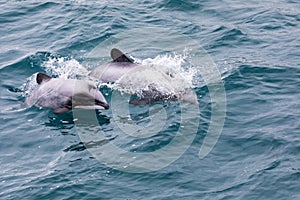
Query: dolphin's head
[[86, 95], [63, 95]]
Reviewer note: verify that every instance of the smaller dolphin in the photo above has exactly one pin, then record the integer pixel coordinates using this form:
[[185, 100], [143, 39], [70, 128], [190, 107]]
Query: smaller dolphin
[[62, 95]]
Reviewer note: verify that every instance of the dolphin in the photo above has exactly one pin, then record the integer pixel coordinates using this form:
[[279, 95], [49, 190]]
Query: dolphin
[[62, 95], [122, 65]]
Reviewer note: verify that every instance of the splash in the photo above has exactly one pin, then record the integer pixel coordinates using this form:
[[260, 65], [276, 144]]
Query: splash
[[29, 86], [65, 68]]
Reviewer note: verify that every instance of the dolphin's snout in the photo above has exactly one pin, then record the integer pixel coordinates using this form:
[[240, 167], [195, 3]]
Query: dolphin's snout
[[102, 104]]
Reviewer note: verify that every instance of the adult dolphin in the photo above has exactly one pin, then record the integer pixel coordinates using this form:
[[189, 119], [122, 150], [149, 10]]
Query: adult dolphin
[[62, 95], [122, 65]]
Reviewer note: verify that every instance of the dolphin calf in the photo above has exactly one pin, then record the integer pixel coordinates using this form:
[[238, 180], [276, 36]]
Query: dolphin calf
[[62, 95]]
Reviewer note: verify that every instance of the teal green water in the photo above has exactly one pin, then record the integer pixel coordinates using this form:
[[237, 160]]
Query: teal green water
[[256, 47]]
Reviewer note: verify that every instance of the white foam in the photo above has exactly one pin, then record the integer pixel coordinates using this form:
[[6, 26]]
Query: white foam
[[65, 68], [29, 86]]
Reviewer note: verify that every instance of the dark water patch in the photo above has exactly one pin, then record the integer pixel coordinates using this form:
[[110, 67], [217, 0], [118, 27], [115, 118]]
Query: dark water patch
[[181, 5], [87, 145], [41, 7]]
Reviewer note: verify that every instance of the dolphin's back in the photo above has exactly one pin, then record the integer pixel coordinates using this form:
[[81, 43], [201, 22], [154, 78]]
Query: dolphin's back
[[114, 70]]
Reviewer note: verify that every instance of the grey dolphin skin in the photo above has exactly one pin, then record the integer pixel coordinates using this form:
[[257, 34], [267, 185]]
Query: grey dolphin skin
[[63, 95], [114, 70]]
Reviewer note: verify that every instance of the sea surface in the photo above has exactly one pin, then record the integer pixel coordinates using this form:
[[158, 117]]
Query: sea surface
[[240, 59]]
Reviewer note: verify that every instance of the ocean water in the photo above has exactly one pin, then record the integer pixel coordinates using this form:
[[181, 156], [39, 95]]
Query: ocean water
[[239, 59]]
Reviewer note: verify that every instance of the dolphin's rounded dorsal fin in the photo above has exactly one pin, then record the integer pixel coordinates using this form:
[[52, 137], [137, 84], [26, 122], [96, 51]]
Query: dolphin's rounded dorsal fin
[[119, 56], [41, 77]]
